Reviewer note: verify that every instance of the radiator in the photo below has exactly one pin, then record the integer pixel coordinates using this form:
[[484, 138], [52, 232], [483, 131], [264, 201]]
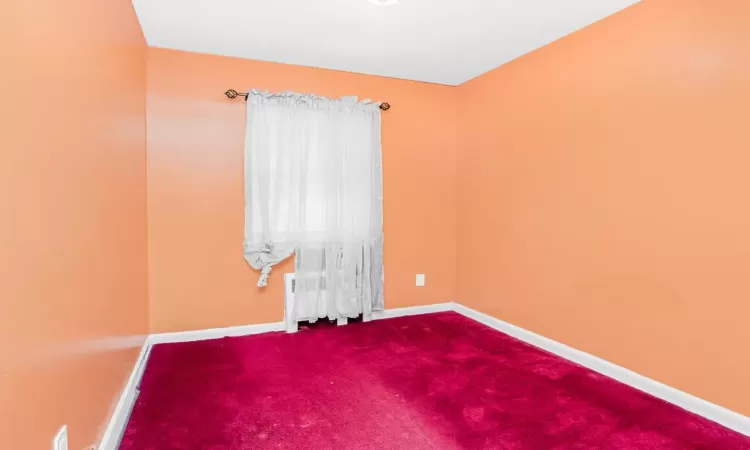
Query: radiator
[[290, 323]]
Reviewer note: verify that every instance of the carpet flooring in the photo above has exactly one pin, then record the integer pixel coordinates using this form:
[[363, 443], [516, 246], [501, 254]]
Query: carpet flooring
[[436, 381]]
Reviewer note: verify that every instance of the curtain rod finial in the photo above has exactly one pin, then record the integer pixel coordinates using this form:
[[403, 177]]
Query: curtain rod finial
[[231, 93], [385, 106]]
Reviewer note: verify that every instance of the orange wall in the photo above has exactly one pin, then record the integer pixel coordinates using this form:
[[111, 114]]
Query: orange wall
[[603, 193], [73, 290], [198, 276]]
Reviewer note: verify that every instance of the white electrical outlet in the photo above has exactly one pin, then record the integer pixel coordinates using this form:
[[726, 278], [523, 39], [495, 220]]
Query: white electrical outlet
[[60, 442], [420, 279]]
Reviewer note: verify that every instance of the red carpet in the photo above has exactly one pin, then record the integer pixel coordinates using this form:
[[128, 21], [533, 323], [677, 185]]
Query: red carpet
[[438, 381]]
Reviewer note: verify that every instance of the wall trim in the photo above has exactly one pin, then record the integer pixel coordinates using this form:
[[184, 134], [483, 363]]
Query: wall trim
[[412, 311], [116, 426], [730, 419], [213, 333], [696, 405], [119, 420]]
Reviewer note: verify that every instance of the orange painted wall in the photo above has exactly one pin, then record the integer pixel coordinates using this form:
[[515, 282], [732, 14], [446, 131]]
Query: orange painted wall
[[603, 193], [198, 276], [73, 290]]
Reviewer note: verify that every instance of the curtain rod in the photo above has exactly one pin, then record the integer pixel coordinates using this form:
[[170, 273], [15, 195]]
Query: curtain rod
[[234, 94]]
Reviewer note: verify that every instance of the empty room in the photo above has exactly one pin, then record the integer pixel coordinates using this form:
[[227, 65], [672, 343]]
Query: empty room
[[375, 224]]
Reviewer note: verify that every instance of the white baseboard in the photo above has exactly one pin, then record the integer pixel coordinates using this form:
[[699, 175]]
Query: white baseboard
[[116, 426], [412, 311], [117, 423], [716, 413], [213, 333]]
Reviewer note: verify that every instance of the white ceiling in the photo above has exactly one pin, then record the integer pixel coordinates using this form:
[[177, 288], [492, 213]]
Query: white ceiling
[[438, 41]]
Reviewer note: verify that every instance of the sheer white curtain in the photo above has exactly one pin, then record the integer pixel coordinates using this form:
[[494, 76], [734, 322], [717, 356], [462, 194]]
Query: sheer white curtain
[[313, 185]]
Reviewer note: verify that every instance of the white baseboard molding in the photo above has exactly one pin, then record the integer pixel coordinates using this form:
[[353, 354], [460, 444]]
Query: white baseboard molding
[[412, 311], [716, 413], [119, 420], [116, 426], [213, 333]]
